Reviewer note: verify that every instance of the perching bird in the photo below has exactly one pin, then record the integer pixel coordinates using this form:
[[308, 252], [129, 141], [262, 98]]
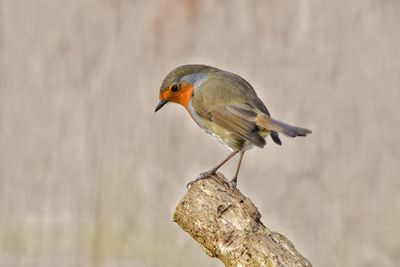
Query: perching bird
[[225, 106]]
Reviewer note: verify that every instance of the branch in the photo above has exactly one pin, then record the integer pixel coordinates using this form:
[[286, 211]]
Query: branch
[[227, 225]]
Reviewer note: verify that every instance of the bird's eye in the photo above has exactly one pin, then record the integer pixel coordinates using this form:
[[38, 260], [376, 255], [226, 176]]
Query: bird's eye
[[174, 88]]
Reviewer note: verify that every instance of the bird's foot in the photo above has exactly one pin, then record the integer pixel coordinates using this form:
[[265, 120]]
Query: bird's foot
[[233, 183], [203, 175], [206, 174]]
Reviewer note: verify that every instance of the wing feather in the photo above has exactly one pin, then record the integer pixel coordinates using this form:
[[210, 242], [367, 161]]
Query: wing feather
[[240, 121]]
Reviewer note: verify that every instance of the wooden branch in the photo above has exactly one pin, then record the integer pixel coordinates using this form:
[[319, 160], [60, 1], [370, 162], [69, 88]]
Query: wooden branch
[[227, 225]]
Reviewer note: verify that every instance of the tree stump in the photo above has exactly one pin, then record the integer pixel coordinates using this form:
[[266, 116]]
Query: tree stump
[[227, 225]]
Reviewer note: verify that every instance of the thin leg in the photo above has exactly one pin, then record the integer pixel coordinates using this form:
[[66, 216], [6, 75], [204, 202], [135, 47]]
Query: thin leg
[[234, 180], [213, 170]]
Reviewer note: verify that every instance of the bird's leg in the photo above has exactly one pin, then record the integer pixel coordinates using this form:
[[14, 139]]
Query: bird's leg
[[234, 180], [213, 170]]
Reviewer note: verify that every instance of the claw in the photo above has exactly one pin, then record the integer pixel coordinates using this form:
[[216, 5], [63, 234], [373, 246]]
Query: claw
[[203, 175], [233, 183]]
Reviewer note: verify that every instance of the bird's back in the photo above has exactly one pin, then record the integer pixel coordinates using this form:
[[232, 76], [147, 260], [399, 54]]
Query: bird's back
[[225, 88]]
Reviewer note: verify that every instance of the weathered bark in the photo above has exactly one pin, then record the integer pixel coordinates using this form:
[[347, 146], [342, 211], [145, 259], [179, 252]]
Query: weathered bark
[[227, 225]]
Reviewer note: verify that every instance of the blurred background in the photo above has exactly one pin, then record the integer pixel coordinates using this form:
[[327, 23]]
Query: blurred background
[[90, 176]]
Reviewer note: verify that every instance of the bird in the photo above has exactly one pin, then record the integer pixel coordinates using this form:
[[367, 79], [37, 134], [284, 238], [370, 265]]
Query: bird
[[225, 106]]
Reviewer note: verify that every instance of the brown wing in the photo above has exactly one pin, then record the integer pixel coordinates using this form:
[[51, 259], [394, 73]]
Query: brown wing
[[240, 120]]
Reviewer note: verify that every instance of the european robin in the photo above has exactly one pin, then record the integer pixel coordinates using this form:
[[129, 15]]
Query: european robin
[[225, 106]]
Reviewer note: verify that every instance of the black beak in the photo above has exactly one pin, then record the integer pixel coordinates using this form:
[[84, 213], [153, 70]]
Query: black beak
[[160, 105]]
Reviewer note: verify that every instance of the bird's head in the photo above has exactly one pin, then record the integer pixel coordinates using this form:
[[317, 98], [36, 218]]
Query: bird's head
[[180, 84]]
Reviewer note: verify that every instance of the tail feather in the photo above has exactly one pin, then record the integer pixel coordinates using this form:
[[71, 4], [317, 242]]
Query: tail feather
[[278, 126], [275, 138]]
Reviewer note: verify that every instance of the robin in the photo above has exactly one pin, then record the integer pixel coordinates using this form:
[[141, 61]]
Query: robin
[[225, 106]]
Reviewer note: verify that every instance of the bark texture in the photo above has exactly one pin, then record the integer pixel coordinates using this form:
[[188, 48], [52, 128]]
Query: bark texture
[[227, 225]]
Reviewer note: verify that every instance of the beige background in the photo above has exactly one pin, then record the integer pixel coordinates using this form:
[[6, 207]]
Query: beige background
[[90, 176]]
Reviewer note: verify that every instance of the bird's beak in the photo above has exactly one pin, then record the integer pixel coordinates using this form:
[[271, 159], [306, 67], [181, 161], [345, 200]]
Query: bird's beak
[[160, 105]]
